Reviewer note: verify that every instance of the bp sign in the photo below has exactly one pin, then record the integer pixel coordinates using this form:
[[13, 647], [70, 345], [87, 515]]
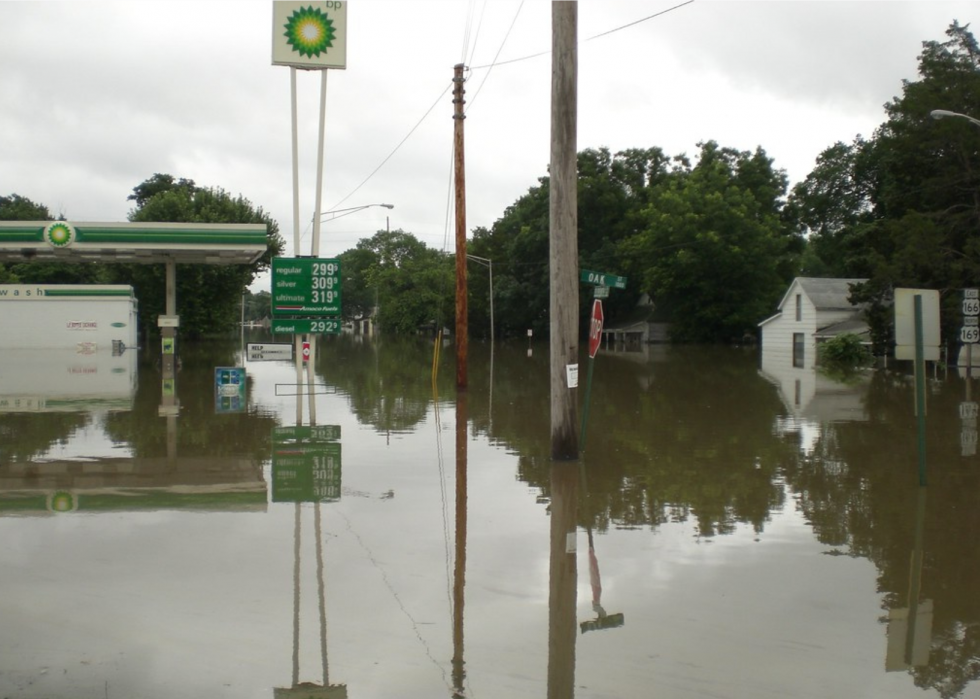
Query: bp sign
[[305, 286]]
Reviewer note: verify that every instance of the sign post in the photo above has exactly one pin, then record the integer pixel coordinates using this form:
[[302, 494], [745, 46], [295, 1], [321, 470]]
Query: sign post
[[595, 339]]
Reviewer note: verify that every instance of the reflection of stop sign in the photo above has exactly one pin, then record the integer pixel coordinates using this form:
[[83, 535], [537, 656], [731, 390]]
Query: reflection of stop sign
[[306, 351], [595, 328]]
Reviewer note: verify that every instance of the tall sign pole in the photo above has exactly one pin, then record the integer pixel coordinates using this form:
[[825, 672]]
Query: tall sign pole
[[563, 231], [308, 36], [462, 326]]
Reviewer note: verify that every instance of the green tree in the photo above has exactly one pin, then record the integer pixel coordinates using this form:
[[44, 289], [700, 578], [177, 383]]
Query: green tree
[[715, 250], [210, 296], [412, 284], [18, 208], [902, 208]]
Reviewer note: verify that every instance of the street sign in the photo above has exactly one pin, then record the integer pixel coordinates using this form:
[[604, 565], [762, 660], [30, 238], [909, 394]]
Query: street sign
[[306, 472], [600, 279], [298, 326], [970, 334], [971, 303], [305, 433], [264, 352], [305, 286], [595, 328], [229, 390]]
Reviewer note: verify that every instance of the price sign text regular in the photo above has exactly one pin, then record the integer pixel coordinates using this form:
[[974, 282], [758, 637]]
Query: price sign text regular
[[305, 286]]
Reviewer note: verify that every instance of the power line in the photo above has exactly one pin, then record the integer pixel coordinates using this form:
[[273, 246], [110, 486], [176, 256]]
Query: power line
[[605, 33], [490, 66], [497, 55], [395, 150]]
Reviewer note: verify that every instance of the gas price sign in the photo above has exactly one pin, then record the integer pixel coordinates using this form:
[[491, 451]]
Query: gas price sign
[[305, 286]]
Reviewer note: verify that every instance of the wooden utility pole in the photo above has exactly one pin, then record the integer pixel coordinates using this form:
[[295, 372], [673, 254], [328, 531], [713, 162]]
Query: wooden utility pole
[[563, 230], [462, 328]]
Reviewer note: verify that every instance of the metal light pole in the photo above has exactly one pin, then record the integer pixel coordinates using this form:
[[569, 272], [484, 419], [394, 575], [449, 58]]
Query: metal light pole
[[489, 264], [339, 213]]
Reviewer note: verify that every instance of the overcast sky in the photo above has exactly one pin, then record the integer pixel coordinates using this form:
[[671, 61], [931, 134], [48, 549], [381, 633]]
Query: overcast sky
[[99, 96]]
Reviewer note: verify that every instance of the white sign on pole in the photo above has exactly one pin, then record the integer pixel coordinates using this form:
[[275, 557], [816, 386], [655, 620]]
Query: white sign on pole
[[309, 35], [255, 352], [905, 324]]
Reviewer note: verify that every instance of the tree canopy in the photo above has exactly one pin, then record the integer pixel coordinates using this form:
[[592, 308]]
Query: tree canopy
[[411, 284], [902, 208]]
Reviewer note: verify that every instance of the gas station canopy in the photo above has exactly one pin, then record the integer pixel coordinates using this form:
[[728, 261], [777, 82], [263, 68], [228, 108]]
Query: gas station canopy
[[142, 243]]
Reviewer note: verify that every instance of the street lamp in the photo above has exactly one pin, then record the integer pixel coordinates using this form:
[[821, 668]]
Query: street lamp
[[941, 113], [338, 213], [486, 263]]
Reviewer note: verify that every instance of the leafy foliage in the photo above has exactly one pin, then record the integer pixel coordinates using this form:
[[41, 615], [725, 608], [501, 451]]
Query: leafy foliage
[[411, 284], [209, 296], [902, 208], [844, 351]]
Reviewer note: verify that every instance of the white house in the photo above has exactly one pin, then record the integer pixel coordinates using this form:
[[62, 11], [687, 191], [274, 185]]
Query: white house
[[811, 311]]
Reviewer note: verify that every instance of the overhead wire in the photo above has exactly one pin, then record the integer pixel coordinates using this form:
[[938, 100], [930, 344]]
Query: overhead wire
[[591, 38], [396, 148], [489, 66], [497, 55]]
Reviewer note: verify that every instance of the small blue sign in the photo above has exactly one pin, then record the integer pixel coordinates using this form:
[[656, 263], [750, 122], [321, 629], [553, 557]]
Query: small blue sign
[[229, 390]]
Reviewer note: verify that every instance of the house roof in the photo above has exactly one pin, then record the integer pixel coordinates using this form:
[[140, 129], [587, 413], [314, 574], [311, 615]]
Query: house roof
[[854, 326], [824, 294]]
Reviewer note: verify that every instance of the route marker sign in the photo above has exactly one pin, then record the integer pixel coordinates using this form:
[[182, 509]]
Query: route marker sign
[[305, 286]]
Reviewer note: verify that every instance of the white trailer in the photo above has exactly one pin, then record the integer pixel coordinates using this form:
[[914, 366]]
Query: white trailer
[[79, 317]]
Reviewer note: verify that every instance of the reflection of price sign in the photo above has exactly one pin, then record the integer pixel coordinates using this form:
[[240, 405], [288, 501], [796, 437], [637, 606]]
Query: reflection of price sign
[[969, 334], [968, 410], [968, 442]]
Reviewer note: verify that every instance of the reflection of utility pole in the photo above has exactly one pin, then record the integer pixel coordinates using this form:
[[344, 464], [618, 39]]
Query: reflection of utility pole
[[562, 580], [459, 575], [910, 629]]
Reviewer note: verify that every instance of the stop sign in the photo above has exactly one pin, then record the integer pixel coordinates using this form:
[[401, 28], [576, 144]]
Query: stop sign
[[595, 328]]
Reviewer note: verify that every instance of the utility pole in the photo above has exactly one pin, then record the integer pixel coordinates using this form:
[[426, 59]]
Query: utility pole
[[563, 230], [462, 329]]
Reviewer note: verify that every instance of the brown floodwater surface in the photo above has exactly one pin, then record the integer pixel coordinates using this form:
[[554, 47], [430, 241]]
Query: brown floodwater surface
[[359, 530]]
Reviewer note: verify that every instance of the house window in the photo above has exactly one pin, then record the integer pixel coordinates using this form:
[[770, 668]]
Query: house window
[[798, 350], [799, 307]]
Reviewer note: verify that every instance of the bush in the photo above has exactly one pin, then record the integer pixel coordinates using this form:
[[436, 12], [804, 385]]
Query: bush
[[844, 352]]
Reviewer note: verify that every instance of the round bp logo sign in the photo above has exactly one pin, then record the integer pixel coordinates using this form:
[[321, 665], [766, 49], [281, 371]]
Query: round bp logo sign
[[62, 501], [59, 234], [309, 31]]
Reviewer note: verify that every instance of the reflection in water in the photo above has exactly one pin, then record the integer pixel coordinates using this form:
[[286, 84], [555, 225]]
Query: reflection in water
[[151, 451], [910, 627], [562, 580], [723, 501], [459, 573]]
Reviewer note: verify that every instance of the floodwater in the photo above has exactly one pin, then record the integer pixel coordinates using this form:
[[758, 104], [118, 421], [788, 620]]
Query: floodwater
[[361, 530]]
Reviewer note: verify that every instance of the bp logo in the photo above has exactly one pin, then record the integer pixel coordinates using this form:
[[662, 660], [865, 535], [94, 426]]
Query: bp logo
[[309, 31], [59, 234], [62, 501]]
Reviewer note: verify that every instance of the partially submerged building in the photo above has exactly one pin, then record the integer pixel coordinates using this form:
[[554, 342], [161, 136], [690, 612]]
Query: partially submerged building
[[811, 311]]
